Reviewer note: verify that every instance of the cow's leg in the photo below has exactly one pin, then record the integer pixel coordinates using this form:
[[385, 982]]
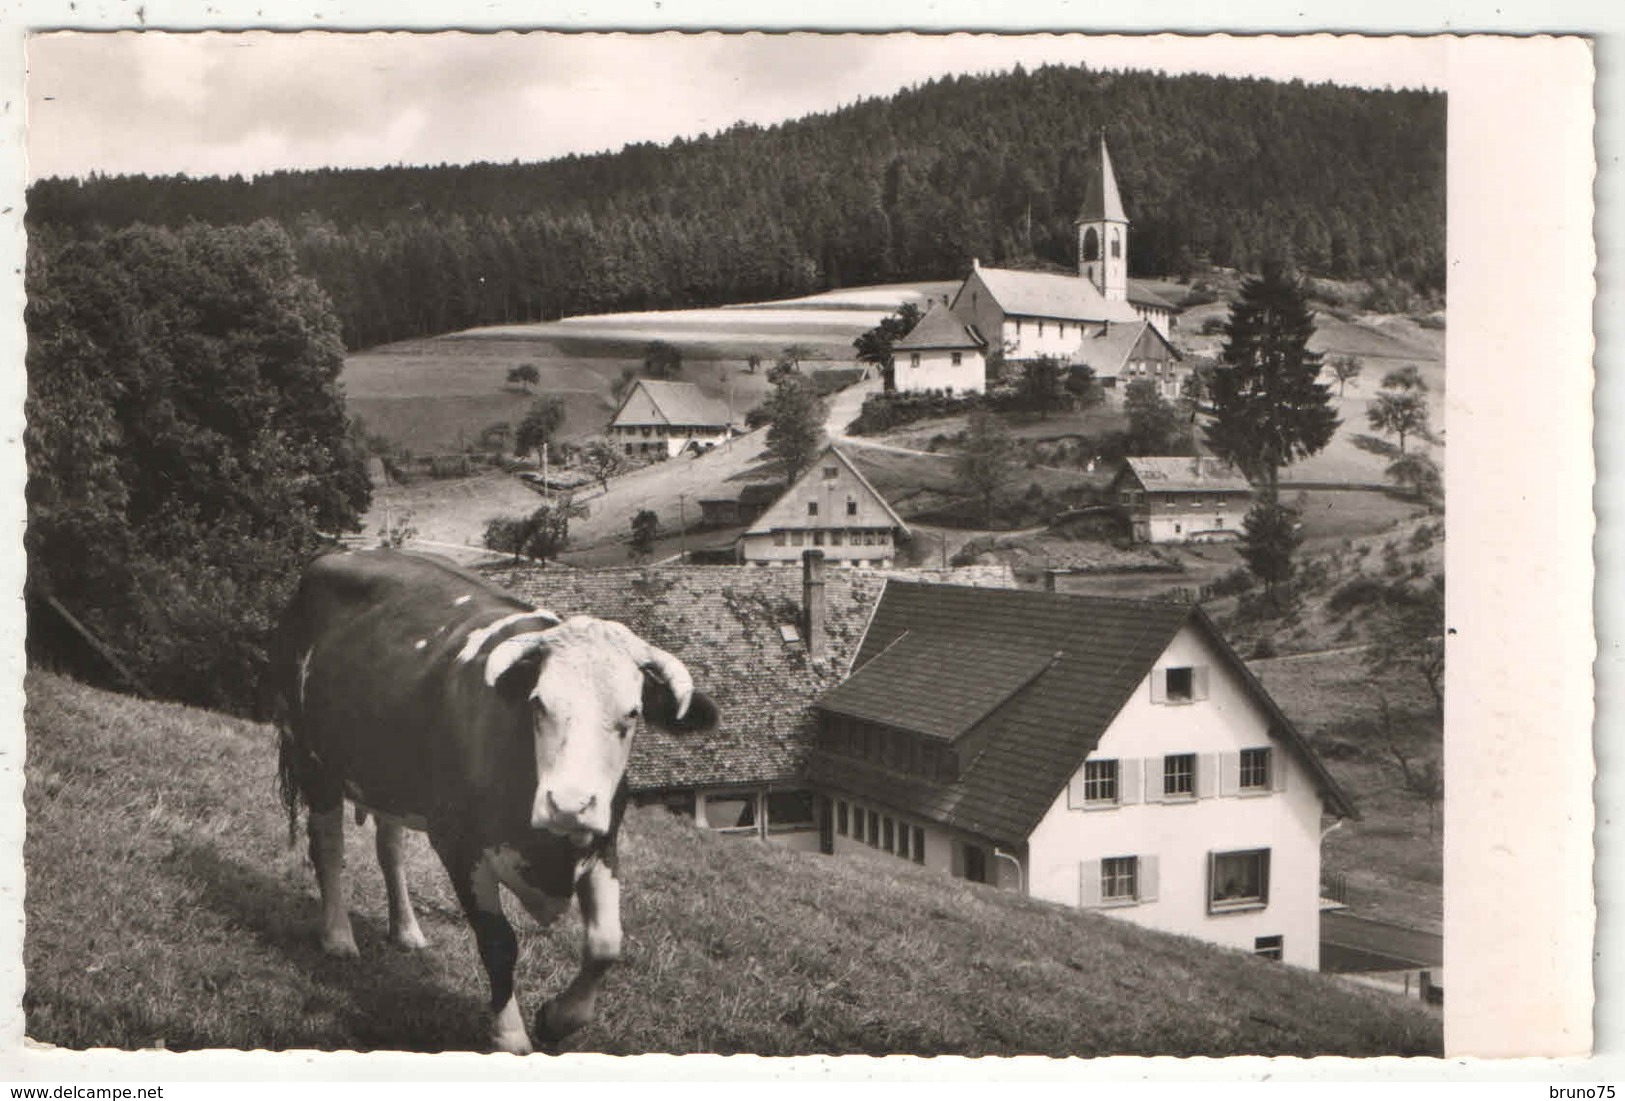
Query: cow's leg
[[599, 892], [475, 884], [327, 853], [403, 923]]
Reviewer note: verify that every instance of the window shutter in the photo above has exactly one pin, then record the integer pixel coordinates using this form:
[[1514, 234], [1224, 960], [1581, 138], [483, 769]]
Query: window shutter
[[1159, 685], [1089, 883], [1207, 771], [1229, 773], [1148, 878], [957, 859], [1128, 780], [1278, 770], [1153, 779], [1074, 791], [1199, 682]]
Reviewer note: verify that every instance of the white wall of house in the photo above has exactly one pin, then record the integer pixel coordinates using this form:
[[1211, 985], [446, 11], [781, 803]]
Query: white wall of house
[[959, 370], [1161, 320], [663, 440], [1175, 839], [941, 850], [783, 547], [1190, 515], [1031, 337]]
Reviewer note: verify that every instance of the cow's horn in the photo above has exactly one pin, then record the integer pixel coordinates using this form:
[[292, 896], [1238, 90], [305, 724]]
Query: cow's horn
[[673, 672], [511, 652]]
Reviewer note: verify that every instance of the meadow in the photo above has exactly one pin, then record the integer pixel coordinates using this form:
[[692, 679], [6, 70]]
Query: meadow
[[166, 908]]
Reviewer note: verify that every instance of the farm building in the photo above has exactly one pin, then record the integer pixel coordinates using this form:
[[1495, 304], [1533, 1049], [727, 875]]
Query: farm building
[[940, 353], [1181, 499], [832, 507], [1121, 354], [1102, 753], [661, 419], [753, 500], [1026, 314]]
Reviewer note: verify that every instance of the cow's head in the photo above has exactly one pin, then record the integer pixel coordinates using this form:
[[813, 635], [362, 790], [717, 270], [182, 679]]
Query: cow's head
[[586, 683]]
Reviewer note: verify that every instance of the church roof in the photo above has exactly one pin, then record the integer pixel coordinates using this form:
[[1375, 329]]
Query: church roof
[[1044, 294], [1141, 294], [1101, 202], [939, 328]]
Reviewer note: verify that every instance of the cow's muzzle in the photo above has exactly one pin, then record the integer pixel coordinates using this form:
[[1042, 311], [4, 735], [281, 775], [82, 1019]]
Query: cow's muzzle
[[580, 815]]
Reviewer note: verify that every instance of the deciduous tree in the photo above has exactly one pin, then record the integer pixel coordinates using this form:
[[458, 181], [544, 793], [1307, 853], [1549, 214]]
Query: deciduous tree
[[985, 462], [1345, 369], [795, 431], [603, 460], [1153, 425], [875, 346], [541, 424], [524, 376], [645, 528]]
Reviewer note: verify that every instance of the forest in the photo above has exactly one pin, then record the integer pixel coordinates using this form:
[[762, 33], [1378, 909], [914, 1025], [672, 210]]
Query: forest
[[1349, 182]]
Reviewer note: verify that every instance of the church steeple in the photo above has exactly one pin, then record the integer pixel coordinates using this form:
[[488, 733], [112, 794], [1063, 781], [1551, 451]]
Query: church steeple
[[1103, 231]]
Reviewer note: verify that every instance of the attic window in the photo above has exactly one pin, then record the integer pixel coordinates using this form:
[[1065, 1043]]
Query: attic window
[[830, 472], [851, 507], [789, 634], [812, 508], [1180, 683]]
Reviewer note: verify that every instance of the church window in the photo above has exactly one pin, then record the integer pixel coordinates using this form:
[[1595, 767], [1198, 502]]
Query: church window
[[1040, 326], [1091, 244], [957, 357], [1117, 245]]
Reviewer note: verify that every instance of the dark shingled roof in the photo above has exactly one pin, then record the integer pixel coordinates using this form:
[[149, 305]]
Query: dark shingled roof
[[940, 328], [723, 623], [1063, 666]]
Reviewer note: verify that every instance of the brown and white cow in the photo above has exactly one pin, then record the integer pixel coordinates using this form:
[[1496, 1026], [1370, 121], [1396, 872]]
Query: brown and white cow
[[434, 701]]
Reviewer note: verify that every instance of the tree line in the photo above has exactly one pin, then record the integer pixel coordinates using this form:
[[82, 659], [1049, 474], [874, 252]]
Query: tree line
[[1349, 182]]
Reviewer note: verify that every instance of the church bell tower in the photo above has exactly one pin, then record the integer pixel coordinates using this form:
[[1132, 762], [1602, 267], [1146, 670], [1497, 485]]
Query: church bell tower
[[1103, 232]]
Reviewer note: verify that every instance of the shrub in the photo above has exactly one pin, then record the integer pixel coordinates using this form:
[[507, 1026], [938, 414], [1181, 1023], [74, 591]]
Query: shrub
[[1263, 648], [1237, 581], [1356, 594]]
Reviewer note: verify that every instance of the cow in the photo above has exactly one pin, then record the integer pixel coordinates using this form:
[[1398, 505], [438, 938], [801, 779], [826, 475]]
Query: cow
[[434, 701]]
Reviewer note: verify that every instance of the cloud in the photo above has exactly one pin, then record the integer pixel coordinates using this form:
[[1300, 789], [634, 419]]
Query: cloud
[[221, 103]]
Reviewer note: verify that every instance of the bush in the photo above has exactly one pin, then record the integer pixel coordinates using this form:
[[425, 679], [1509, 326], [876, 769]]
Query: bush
[[883, 412], [1233, 583], [1357, 593], [1213, 326], [1263, 648]]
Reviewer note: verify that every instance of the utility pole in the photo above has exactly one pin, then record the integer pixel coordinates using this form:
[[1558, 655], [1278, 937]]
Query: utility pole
[[682, 532]]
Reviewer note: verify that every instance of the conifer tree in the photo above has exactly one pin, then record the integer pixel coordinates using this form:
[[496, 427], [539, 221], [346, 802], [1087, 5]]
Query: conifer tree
[[1269, 407]]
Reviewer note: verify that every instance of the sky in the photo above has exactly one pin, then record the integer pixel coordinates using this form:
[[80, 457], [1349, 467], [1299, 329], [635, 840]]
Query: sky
[[217, 103]]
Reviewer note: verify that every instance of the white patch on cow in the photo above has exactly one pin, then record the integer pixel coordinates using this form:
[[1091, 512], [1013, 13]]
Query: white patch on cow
[[508, 1029], [477, 639], [460, 601], [507, 866], [420, 644]]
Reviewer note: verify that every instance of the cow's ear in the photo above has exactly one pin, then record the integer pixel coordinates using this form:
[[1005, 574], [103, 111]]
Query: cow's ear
[[514, 665], [660, 708]]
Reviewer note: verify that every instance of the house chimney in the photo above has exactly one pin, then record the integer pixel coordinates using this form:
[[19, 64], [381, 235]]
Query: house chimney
[[812, 602], [975, 263]]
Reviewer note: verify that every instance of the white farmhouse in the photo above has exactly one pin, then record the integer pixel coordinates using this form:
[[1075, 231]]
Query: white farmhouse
[[942, 353], [832, 507], [660, 419], [1181, 499], [1108, 754]]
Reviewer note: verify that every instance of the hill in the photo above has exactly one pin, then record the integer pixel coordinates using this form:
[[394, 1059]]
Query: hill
[[162, 822], [909, 186]]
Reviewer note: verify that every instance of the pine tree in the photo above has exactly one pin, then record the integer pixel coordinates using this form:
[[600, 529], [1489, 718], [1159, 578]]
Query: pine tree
[[794, 431], [1269, 407]]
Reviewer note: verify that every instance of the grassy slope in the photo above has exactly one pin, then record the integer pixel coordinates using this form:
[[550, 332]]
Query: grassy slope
[[164, 907]]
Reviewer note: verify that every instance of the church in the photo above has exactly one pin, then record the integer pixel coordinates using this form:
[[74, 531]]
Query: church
[[1100, 317]]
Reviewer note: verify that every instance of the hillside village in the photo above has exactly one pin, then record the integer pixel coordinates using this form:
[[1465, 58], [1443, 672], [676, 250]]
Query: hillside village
[[1064, 712], [974, 592]]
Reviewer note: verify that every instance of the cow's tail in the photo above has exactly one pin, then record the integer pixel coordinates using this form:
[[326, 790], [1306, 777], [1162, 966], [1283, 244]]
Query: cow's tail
[[288, 788]]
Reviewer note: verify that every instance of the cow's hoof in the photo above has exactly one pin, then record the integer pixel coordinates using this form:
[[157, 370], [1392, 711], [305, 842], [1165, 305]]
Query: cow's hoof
[[409, 939], [551, 1026], [341, 947], [507, 1044]]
